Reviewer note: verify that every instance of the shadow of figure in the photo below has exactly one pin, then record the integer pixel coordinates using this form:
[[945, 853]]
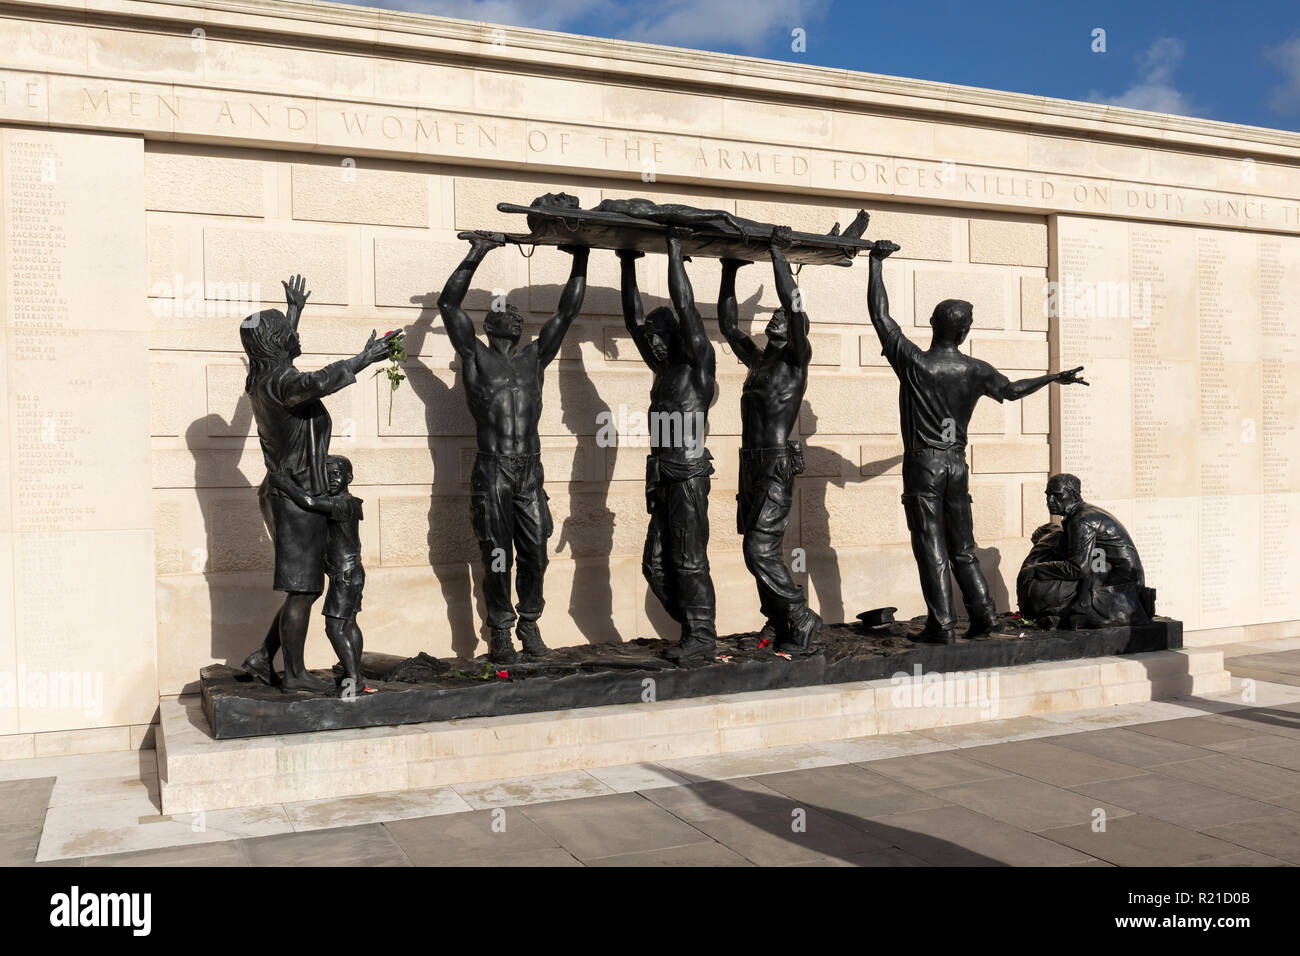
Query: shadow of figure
[[588, 530], [814, 515], [990, 560], [460, 584], [237, 618]]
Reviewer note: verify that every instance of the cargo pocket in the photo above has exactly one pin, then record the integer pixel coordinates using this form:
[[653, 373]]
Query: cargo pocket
[[548, 523], [478, 516]]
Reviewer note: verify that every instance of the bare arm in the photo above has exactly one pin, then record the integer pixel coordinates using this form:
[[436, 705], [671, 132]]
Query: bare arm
[[633, 309], [699, 351], [791, 298], [729, 315], [552, 333], [460, 329]]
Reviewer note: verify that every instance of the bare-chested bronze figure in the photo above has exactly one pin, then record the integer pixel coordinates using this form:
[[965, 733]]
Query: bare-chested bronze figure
[[769, 460], [673, 343], [503, 386]]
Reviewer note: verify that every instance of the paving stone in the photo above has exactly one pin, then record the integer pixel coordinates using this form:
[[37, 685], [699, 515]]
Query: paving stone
[[1129, 747], [718, 798], [771, 839], [1140, 840], [1277, 836], [545, 857], [1028, 804], [698, 854], [1273, 720], [1178, 801], [855, 794], [748, 763], [1291, 802], [1049, 763], [373, 808], [539, 788], [18, 843], [453, 838], [1239, 775], [1276, 751], [227, 853], [368, 845], [1244, 858], [889, 856], [931, 771], [955, 836], [25, 801], [1283, 662], [611, 825], [1198, 731]]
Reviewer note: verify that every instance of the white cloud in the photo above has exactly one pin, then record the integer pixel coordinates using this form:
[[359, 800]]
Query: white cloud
[[1285, 97], [747, 25], [1154, 89], [549, 15]]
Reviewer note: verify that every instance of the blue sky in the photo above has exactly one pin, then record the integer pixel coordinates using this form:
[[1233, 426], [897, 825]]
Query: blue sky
[[1236, 62]]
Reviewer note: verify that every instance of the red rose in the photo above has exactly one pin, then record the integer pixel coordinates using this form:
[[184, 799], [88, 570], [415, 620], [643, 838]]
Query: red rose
[[503, 675]]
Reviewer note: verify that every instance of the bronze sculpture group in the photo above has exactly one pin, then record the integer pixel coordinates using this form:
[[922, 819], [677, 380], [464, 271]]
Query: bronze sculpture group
[[1084, 574]]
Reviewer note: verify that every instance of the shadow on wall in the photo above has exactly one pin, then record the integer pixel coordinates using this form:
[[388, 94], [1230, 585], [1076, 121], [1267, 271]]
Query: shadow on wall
[[990, 560], [239, 617], [814, 519], [461, 582], [588, 530]]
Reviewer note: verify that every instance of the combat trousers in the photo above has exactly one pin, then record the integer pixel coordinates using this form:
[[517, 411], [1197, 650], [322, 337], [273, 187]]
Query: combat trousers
[[936, 499], [512, 521], [676, 557], [762, 514]]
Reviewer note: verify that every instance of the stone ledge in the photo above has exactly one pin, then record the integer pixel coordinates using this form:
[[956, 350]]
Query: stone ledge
[[199, 772], [626, 673]]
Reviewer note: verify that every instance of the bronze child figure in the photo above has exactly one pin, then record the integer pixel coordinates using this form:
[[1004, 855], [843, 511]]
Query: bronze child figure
[[343, 566]]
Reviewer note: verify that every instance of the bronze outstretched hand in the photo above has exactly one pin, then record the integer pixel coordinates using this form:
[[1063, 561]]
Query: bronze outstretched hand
[[295, 292]]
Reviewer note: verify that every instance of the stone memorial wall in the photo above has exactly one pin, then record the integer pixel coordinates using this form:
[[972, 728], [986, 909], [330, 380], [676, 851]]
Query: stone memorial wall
[[1194, 437], [165, 165]]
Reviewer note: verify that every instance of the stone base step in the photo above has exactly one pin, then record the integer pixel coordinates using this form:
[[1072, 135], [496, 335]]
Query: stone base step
[[198, 772]]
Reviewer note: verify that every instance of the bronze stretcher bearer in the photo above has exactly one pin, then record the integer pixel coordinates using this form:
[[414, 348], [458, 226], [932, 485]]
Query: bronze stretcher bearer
[[673, 343], [769, 460], [937, 392], [503, 387]]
